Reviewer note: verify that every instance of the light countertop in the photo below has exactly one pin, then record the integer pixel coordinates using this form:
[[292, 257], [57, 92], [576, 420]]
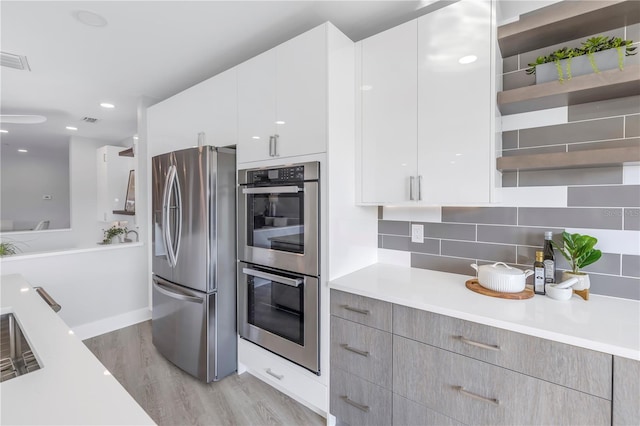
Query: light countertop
[[602, 323], [72, 387]]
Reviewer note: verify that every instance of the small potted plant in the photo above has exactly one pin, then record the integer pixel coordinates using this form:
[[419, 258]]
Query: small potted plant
[[580, 252], [7, 248], [114, 231]]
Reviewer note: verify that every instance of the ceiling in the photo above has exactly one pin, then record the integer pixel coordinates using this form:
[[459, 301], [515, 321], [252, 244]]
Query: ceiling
[[147, 52]]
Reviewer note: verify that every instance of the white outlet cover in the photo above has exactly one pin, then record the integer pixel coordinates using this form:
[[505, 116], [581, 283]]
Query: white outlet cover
[[417, 233]]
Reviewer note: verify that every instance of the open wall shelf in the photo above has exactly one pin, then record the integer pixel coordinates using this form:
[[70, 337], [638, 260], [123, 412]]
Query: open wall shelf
[[585, 88], [126, 153], [124, 212], [563, 160], [563, 21]]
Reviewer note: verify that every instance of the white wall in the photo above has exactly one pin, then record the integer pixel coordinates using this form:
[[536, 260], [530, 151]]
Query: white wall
[[26, 177]]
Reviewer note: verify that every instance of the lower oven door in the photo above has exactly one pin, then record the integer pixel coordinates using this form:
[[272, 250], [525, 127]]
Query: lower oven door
[[279, 311]]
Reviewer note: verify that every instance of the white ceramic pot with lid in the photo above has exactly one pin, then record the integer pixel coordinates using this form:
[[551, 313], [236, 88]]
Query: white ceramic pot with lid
[[502, 277]]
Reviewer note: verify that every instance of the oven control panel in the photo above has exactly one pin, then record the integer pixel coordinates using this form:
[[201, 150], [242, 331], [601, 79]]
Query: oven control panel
[[279, 175]]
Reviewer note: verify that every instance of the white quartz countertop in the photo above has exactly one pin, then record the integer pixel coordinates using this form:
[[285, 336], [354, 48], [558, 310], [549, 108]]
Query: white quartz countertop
[[72, 387], [604, 324]]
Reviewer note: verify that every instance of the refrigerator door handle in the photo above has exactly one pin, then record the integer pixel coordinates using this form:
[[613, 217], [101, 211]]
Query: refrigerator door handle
[[167, 207], [176, 249], [293, 282], [165, 215], [169, 291]]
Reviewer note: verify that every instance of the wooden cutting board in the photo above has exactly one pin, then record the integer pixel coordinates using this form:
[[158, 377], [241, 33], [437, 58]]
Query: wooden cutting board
[[474, 285]]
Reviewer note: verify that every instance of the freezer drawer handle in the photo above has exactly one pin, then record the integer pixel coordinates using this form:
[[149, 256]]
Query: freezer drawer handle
[[354, 350], [277, 278], [277, 376], [351, 402], [478, 344], [465, 392], [290, 189], [356, 310], [168, 292]]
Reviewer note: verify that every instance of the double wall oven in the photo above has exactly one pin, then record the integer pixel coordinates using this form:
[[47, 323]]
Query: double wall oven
[[278, 268]]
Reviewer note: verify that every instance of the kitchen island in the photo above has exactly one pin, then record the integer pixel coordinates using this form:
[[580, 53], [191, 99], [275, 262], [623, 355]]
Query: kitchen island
[[71, 387]]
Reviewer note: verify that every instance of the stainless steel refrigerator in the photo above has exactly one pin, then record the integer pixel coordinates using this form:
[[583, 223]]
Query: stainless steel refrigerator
[[194, 265]]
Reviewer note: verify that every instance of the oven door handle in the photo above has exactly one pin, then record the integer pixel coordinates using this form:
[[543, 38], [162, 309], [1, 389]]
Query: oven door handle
[[273, 190], [293, 282]]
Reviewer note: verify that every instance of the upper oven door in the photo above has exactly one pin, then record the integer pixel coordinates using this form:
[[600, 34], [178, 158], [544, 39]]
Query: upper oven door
[[278, 226]]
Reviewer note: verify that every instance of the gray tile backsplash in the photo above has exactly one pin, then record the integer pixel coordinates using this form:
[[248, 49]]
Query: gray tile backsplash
[[610, 285], [519, 235], [393, 242], [601, 196], [609, 263], [632, 219], [451, 231], [393, 227], [480, 251], [631, 265], [571, 217], [607, 108], [510, 139], [632, 126], [493, 215], [581, 131], [614, 143], [443, 263]]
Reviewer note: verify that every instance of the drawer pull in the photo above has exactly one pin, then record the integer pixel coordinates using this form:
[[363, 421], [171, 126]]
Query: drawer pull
[[277, 376], [478, 344], [463, 391], [360, 407], [354, 350], [359, 311]]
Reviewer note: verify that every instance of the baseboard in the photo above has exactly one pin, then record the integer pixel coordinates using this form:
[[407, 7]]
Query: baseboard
[[96, 328]]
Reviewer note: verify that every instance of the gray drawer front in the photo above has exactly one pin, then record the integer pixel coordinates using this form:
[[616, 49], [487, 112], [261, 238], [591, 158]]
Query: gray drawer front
[[409, 413], [626, 391], [356, 402], [361, 350], [520, 398], [364, 310], [577, 368]]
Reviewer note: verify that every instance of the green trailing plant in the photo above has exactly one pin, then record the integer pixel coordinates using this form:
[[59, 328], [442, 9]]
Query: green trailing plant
[[8, 248], [113, 232], [589, 47], [578, 250]]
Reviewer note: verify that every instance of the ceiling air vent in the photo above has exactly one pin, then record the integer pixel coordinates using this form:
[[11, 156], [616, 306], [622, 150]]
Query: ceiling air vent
[[14, 61], [90, 119]]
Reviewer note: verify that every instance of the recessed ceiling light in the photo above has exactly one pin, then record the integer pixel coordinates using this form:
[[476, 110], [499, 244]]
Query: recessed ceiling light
[[255, 137], [22, 150], [279, 122], [89, 18], [135, 138], [71, 128], [107, 105], [366, 87], [468, 59], [4, 131]]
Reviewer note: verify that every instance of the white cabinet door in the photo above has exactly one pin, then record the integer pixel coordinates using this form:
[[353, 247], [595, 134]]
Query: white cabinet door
[[389, 87], [455, 112], [256, 107], [301, 96], [208, 108]]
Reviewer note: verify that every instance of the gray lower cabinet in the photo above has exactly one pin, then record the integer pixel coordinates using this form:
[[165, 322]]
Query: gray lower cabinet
[[545, 359], [409, 413], [626, 391], [357, 402], [475, 392], [360, 309]]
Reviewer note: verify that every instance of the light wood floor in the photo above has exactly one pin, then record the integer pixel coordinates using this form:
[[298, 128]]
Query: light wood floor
[[172, 397]]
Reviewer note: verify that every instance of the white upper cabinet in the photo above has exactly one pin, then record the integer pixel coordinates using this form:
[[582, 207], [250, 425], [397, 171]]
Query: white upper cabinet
[[282, 99], [428, 120], [456, 104], [389, 91], [205, 112]]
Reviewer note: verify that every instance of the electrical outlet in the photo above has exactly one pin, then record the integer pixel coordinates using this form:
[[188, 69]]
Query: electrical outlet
[[417, 233]]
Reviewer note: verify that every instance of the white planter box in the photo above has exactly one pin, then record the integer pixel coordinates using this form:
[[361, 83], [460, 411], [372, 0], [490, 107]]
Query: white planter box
[[605, 60]]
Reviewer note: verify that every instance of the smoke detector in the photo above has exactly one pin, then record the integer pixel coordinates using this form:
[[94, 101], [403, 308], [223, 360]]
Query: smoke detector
[[90, 119], [11, 60]]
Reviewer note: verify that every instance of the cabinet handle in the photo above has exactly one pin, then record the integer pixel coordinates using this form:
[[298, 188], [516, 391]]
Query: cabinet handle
[[359, 311], [272, 146], [465, 392], [411, 181], [275, 145], [478, 344], [360, 407], [277, 376], [419, 187], [354, 350]]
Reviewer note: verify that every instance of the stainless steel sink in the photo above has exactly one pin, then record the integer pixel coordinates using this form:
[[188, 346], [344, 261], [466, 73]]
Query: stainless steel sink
[[16, 357]]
